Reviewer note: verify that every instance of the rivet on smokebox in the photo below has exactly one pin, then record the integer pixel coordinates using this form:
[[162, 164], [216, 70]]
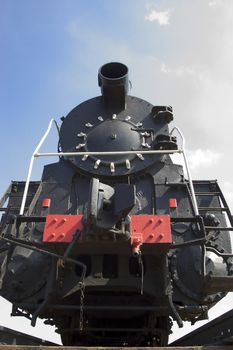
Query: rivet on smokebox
[[151, 235], [64, 220], [151, 220], [160, 221], [52, 235], [161, 235], [62, 235]]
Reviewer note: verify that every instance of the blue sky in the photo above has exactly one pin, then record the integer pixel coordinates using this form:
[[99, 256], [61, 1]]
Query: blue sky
[[179, 52]]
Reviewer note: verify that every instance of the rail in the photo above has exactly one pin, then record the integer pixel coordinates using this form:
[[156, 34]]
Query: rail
[[57, 347]]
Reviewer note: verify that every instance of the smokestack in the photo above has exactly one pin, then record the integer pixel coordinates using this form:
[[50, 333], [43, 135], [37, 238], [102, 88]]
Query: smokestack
[[114, 83]]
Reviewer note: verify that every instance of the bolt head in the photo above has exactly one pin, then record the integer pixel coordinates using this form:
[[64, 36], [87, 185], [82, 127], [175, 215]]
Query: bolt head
[[136, 240]]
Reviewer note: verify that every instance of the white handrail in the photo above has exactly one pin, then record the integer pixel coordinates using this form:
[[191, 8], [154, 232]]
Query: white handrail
[[71, 154], [187, 170], [31, 165]]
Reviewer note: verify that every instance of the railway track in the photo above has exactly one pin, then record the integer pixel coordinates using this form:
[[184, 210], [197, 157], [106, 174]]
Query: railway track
[[38, 347], [218, 334]]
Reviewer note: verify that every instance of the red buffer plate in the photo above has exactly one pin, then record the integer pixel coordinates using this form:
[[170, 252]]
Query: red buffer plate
[[61, 228], [150, 229]]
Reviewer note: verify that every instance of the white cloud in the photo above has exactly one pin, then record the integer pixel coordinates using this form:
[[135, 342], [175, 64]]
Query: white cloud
[[227, 188], [200, 158], [178, 71], [162, 17], [164, 68], [213, 3]]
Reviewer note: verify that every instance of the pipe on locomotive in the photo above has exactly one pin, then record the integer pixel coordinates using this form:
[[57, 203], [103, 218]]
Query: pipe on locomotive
[[114, 83]]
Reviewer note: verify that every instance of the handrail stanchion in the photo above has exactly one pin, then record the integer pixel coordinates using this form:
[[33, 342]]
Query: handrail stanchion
[[187, 170], [31, 165], [71, 154]]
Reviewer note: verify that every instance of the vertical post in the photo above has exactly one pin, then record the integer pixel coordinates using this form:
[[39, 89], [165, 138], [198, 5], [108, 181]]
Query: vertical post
[[195, 207], [31, 166]]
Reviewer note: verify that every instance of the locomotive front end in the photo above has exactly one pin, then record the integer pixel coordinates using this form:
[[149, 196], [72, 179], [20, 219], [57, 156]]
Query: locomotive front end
[[116, 240]]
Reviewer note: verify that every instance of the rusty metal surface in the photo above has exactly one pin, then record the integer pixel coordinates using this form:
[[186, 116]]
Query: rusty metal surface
[[62, 228], [151, 229]]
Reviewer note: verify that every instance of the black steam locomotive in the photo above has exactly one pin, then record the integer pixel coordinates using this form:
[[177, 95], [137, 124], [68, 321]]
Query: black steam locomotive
[[116, 240]]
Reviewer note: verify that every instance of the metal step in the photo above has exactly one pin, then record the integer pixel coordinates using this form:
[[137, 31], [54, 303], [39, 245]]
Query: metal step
[[207, 193], [213, 209], [218, 228]]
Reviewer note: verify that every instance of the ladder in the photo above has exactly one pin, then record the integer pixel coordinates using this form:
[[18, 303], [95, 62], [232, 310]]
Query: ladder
[[11, 200], [210, 200]]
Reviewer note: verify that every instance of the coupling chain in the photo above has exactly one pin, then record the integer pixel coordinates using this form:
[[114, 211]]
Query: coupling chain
[[81, 313], [140, 261]]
